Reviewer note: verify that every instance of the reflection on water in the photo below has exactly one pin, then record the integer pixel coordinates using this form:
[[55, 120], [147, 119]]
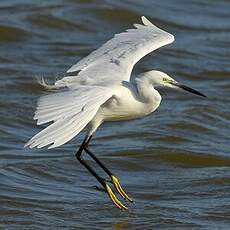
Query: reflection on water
[[174, 163]]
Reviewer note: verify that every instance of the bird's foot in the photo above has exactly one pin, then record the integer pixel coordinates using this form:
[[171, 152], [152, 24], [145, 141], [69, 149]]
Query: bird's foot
[[113, 198], [106, 188], [119, 189]]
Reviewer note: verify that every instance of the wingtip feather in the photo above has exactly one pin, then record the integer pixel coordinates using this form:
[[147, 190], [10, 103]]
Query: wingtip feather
[[146, 21]]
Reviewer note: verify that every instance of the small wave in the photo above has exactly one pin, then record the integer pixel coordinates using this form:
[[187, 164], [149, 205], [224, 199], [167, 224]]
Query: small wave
[[12, 34]]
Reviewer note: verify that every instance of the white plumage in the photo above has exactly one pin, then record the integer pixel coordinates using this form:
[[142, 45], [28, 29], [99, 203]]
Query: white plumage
[[70, 112], [115, 60], [99, 89]]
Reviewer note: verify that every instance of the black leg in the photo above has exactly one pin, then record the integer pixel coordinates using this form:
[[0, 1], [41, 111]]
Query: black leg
[[97, 161], [102, 181], [79, 157]]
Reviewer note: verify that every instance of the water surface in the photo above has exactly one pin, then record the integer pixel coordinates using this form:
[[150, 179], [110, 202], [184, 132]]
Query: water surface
[[174, 163]]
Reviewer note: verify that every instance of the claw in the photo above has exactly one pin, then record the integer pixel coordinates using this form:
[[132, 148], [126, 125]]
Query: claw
[[114, 198], [119, 189]]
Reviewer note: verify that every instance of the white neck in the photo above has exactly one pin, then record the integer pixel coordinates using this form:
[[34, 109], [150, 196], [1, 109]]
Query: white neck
[[146, 90]]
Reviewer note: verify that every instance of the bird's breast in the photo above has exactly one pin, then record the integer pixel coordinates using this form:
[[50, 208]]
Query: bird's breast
[[126, 106]]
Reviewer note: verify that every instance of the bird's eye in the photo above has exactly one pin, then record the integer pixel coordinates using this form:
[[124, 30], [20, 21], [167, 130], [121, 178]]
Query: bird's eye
[[166, 80]]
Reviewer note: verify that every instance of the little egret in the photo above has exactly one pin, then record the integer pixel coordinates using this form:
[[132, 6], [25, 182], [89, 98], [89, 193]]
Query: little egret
[[98, 89]]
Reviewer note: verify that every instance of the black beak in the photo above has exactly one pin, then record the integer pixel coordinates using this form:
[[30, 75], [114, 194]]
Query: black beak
[[186, 88]]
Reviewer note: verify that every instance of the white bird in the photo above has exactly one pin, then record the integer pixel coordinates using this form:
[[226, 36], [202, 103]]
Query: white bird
[[99, 89]]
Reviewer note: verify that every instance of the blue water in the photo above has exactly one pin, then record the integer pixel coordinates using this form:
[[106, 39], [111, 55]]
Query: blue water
[[173, 163]]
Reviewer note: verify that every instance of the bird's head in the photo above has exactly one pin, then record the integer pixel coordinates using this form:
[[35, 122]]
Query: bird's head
[[159, 79]]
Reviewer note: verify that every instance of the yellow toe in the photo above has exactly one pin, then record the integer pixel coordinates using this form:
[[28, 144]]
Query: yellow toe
[[119, 189], [114, 198]]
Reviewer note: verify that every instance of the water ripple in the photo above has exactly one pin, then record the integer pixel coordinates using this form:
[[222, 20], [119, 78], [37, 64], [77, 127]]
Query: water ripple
[[174, 163]]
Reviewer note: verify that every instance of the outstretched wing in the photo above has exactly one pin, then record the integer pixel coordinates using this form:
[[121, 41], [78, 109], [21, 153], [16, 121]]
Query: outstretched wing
[[115, 60], [70, 112]]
